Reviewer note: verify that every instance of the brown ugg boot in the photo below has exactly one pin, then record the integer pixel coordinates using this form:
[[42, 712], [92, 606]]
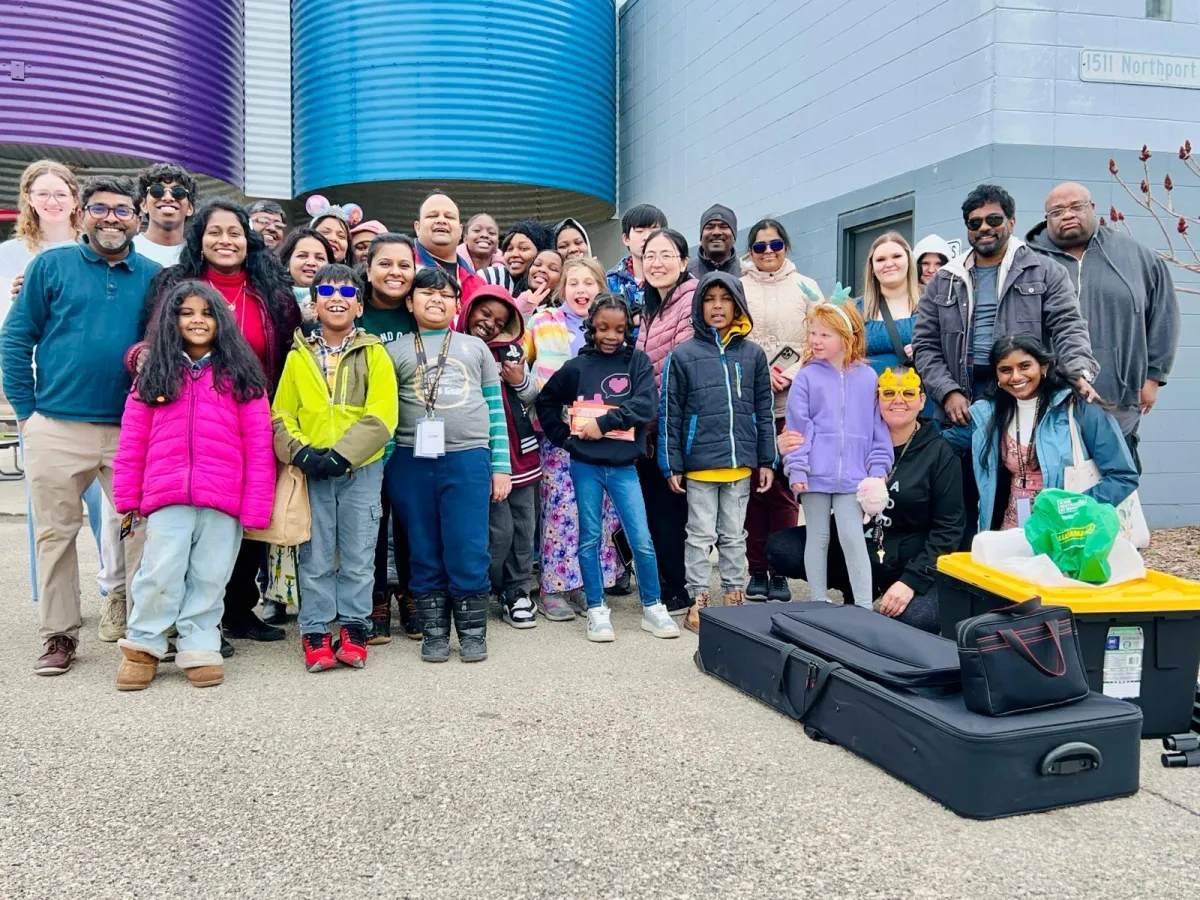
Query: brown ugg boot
[[137, 670], [205, 676], [735, 598], [691, 621]]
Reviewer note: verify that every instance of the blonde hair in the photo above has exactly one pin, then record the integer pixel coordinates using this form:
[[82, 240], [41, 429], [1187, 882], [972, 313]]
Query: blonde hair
[[28, 227], [872, 293], [847, 324], [579, 262]]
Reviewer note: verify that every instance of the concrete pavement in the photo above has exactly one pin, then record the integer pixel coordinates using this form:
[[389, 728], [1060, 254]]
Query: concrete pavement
[[556, 769]]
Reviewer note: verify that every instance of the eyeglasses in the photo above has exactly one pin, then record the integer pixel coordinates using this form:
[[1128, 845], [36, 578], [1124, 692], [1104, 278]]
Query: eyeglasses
[[660, 257], [178, 191], [346, 290], [101, 211], [994, 220], [262, 223], [774, 246], [43, 196], [1059, 211], [887, 395]]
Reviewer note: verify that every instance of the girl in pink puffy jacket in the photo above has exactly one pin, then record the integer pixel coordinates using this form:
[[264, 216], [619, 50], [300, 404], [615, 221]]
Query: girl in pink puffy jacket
[[196, 459]]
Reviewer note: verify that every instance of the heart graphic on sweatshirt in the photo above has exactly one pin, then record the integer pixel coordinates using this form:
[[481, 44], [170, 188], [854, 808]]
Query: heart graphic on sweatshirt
[[616, 385]]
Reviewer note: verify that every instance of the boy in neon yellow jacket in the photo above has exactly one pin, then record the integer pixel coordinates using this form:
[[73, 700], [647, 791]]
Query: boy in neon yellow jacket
[[334, 413]]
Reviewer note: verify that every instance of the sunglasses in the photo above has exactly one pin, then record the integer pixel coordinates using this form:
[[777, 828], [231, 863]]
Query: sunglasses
[[158, 191], [774, 246], [328, 290], [101, 211], [887, 395], [995, 220]]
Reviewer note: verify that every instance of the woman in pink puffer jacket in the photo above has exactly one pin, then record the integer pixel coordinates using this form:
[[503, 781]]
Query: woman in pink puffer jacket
[[196, 458]]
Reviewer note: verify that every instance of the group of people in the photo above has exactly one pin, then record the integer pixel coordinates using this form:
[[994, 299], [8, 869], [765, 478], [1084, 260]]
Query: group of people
[[479, 415]]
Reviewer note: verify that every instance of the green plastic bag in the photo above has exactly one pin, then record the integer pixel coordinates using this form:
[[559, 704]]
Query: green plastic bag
[[1075, 531]]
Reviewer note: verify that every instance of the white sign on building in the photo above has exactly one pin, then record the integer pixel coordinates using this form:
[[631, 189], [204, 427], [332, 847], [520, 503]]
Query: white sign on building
[[1126, 67]]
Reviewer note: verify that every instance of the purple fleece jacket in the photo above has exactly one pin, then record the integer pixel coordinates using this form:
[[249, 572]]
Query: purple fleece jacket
[[845, 438]]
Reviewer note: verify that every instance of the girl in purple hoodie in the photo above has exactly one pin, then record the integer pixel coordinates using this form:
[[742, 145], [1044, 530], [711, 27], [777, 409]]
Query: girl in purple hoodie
[[833, 402]]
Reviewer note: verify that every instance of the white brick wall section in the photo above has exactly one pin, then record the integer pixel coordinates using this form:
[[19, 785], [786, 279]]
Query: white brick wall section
[[268, 99]]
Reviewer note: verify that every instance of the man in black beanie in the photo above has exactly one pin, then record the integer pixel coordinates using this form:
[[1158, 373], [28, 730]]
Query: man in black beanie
[[718, 231]]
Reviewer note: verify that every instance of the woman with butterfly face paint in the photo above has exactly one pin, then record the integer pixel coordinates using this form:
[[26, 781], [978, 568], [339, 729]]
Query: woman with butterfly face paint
[[924, 518]]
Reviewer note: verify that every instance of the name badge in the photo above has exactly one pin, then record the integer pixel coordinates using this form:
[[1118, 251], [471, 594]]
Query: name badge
[[1024, 511], [430, 442]]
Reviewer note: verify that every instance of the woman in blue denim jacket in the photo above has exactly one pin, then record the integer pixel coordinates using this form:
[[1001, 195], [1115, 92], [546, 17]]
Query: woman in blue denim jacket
[[1020, 438]]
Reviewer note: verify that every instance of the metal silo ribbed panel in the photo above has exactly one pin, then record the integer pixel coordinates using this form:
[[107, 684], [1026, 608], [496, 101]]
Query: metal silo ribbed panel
[[149, 79], [515, 93], [268, 99]]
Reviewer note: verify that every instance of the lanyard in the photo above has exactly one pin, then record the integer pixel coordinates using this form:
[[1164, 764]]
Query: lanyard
[[1025, 458], [430, 386], [881, 521]]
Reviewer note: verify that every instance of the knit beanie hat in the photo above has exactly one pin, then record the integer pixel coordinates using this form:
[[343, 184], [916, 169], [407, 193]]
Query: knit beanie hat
[[719, 213]]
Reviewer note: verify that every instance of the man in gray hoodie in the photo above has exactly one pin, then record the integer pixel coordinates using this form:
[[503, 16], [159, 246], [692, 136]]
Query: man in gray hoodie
[[1126, 295]]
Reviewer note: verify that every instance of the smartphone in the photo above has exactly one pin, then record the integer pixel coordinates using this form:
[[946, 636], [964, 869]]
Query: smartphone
[[784, 359]]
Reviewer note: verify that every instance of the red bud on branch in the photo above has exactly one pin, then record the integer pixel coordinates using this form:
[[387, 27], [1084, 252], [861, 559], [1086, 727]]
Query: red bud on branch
[[1145, 154], [1182, 227], [1145, 186], [1112, 166], [1113, 214], [1186, 150], [1103, 221], [1167, 183]]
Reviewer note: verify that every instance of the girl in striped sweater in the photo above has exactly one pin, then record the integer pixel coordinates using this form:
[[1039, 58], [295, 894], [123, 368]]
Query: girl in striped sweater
[[451, 461]]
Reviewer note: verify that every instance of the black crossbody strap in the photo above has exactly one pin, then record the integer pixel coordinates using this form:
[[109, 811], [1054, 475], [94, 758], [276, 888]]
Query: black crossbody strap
[[893, 332]]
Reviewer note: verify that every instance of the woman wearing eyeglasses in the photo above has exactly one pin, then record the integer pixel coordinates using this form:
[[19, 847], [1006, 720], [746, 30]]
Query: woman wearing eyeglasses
[[666, 322], [223, 251], [925, 521], [779, 308]]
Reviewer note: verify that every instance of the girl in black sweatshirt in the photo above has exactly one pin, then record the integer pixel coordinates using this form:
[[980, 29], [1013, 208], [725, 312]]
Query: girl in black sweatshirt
[[596, 407]]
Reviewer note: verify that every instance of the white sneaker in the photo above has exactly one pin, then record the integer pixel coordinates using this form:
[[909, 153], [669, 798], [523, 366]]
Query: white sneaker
[[112, 620], [599, 627], [657, 621]]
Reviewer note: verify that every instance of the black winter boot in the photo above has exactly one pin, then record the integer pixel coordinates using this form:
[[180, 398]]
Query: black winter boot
[[470, 620], [433, 611]]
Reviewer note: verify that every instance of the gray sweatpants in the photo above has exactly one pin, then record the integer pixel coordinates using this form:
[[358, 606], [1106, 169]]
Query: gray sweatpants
[[849, 516], [512, 531], [716, 515]]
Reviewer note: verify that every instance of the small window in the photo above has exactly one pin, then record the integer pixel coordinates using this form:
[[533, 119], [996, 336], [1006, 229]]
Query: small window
[[860, 228], [1158, 9]]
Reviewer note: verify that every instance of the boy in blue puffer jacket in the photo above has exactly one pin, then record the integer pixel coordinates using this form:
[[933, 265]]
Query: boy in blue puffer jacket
[[716, 427]]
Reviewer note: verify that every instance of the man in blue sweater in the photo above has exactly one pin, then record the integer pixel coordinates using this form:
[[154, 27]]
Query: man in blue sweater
[[81, 307]]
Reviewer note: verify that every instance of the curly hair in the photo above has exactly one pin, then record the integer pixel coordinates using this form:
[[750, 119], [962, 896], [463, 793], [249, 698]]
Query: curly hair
[[236, 370], [602, 302], [29, 229], [160, 173]]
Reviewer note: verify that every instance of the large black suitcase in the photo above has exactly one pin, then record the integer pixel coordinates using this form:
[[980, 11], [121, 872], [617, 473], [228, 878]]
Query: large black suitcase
[[890, 702]]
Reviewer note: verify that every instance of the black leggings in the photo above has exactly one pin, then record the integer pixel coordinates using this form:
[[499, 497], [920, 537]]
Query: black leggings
[[785, 555], [399, 550], [242, 590]]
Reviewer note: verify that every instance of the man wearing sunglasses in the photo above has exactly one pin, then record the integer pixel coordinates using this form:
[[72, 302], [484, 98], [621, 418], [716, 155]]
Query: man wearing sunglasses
[[1001, 287], [168, 196], [718, 231], [81, 308], [1127, 297]]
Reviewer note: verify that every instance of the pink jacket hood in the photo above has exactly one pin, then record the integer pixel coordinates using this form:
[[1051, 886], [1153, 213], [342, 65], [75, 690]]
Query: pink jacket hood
[[205, 450]]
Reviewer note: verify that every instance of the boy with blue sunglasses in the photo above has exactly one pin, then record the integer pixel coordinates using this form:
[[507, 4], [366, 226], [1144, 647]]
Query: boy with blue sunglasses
[[334, 414]]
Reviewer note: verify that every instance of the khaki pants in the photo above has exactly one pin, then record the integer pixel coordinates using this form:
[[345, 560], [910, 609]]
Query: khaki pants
[[61, 459]]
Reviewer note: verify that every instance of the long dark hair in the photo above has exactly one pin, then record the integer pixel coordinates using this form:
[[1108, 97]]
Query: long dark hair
[[378, 243], [295, 237], [1004, 405], [235, 368], [604, 301], [652, 299]]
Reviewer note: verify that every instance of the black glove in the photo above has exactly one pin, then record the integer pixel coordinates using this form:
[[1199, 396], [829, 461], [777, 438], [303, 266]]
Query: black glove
[[333, 464], [311, 462]]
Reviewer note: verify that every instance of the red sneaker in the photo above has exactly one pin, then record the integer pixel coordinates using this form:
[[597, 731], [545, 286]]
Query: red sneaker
[[318, 652], [351, 648]]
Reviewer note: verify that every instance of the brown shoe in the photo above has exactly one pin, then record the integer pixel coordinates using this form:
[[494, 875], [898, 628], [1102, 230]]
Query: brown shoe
[[137, 670], [691, 620], [408, 616], [735, 598], [381, 619], [205, 676], [57, 656]]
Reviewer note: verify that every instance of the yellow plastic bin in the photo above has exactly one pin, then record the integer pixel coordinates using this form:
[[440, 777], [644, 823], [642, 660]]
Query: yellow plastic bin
[[1140, 640]]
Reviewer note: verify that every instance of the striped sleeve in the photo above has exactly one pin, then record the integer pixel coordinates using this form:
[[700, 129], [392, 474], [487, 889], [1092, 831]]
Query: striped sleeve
[[497, 429]]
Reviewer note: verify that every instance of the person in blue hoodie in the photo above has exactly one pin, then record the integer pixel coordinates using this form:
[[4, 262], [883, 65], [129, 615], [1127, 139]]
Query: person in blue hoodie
[[1020, 437], [717, 430]]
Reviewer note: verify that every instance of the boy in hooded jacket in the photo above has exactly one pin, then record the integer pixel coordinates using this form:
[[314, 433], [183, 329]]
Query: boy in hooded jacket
[[489, 313], [717, 430]]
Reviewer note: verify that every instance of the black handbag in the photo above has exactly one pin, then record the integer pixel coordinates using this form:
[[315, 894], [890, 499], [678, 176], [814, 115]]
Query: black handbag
[[1020, 658]]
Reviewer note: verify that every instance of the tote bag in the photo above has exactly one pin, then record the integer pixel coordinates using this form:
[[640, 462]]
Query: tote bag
[[1085, 474], [291, 516]]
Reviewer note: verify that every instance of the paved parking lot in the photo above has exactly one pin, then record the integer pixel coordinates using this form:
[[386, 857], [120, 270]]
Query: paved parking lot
[[555, 769]]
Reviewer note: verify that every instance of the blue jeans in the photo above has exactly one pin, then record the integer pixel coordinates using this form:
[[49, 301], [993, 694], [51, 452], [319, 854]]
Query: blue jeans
[[188, 558], [345, 519], [444, 505], [622, 485]]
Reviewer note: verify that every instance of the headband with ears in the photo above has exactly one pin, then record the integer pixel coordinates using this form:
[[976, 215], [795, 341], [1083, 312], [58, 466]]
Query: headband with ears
[[836, 300], [318, 205]]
